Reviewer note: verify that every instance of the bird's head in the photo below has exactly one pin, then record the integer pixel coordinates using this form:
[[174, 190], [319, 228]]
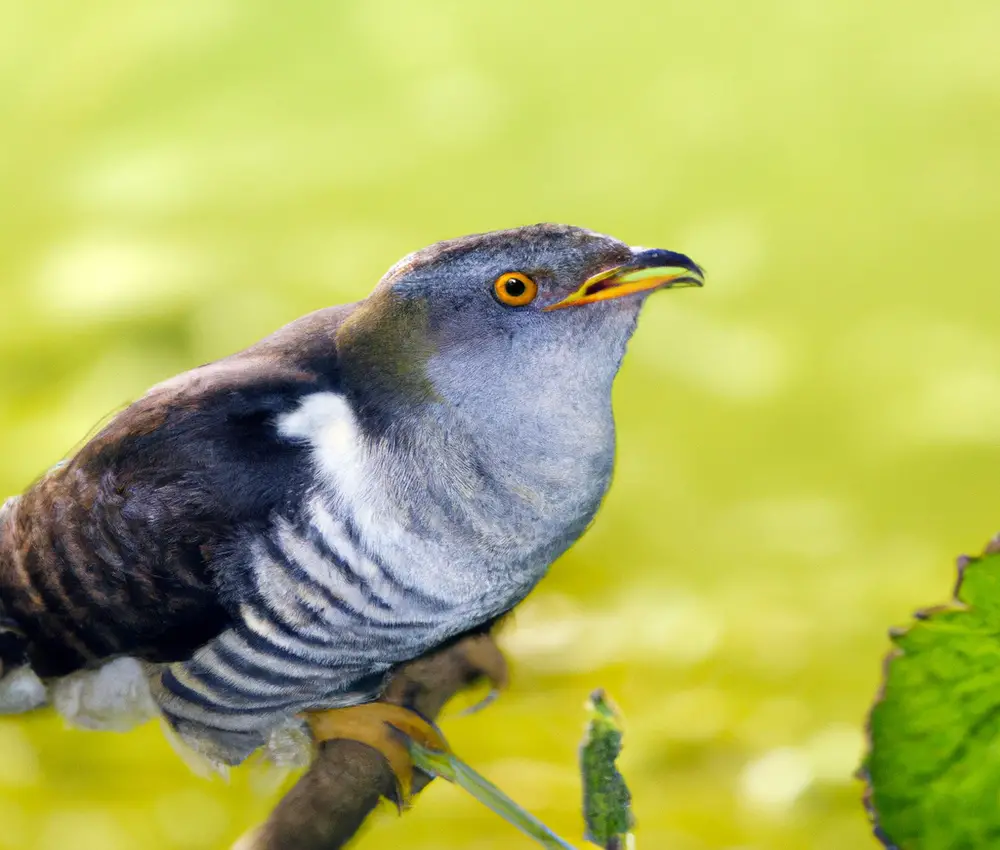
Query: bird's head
[[536, 316]]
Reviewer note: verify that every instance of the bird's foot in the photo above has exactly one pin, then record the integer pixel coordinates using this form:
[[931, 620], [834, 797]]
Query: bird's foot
[[386, 728], [486, 661]]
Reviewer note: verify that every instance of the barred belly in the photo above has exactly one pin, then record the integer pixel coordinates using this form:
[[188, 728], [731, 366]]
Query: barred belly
[[321, 623]]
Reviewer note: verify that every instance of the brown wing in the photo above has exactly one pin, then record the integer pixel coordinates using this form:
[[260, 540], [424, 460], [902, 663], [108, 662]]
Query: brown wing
[[111, 553]]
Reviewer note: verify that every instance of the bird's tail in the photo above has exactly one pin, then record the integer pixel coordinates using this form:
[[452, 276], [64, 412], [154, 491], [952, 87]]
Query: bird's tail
[[20, 689]]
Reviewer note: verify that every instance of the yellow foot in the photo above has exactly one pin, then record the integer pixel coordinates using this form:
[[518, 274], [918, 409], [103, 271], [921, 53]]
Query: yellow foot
[[383, 727]]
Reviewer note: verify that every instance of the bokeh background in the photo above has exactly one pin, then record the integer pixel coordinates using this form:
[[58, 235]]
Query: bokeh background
[[805, 444]]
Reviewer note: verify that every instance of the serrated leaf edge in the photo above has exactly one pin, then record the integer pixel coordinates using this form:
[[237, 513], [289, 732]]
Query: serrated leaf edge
[[962, 563]]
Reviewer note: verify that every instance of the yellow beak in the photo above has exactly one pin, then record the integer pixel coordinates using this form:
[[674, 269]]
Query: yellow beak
[[644, 273]]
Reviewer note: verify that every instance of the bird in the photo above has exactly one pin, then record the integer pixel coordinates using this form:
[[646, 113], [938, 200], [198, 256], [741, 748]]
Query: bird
[[255, 544]]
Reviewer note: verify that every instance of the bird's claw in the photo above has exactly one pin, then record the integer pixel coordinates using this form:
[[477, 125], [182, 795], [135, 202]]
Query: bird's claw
[[387, 729], [488, 700], [485, 659]]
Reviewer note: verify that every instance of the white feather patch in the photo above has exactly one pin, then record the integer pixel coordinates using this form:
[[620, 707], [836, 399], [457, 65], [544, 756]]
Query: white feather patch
[[114, 697], [21, 690], [327, 423]]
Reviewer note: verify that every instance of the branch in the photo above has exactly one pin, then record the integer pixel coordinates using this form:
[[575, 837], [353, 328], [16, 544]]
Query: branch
[[346, 780]]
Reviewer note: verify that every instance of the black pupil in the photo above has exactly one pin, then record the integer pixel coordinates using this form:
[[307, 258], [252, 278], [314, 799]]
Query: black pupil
[[514, 288]]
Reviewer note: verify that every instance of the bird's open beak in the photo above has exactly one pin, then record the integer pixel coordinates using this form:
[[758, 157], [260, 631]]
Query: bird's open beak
[[646, 271]]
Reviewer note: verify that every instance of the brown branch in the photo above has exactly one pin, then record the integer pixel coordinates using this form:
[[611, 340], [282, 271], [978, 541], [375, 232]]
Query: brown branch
[[346, 780]]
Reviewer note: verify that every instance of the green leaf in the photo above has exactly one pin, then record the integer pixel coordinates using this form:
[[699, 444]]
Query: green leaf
[[933, 770], [607, 803]]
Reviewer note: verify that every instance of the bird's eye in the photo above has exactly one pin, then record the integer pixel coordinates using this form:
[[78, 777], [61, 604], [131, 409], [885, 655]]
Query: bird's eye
[[515, 289]]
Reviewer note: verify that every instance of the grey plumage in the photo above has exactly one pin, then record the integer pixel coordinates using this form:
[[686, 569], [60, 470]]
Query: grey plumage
[[451, 448]]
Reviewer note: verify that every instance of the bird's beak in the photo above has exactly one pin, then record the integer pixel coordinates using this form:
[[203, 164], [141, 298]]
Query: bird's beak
[[648, 269]]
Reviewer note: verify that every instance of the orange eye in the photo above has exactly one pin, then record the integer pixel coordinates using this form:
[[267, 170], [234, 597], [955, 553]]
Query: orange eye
[[515, 289]]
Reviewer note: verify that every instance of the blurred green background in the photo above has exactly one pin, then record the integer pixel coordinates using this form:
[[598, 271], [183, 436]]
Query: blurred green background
[[805, 444]]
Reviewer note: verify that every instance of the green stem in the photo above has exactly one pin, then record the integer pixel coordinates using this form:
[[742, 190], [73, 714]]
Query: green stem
[[448, 766]]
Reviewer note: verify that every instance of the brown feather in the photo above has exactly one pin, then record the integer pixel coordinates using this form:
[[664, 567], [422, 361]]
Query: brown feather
[[111, 553]]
